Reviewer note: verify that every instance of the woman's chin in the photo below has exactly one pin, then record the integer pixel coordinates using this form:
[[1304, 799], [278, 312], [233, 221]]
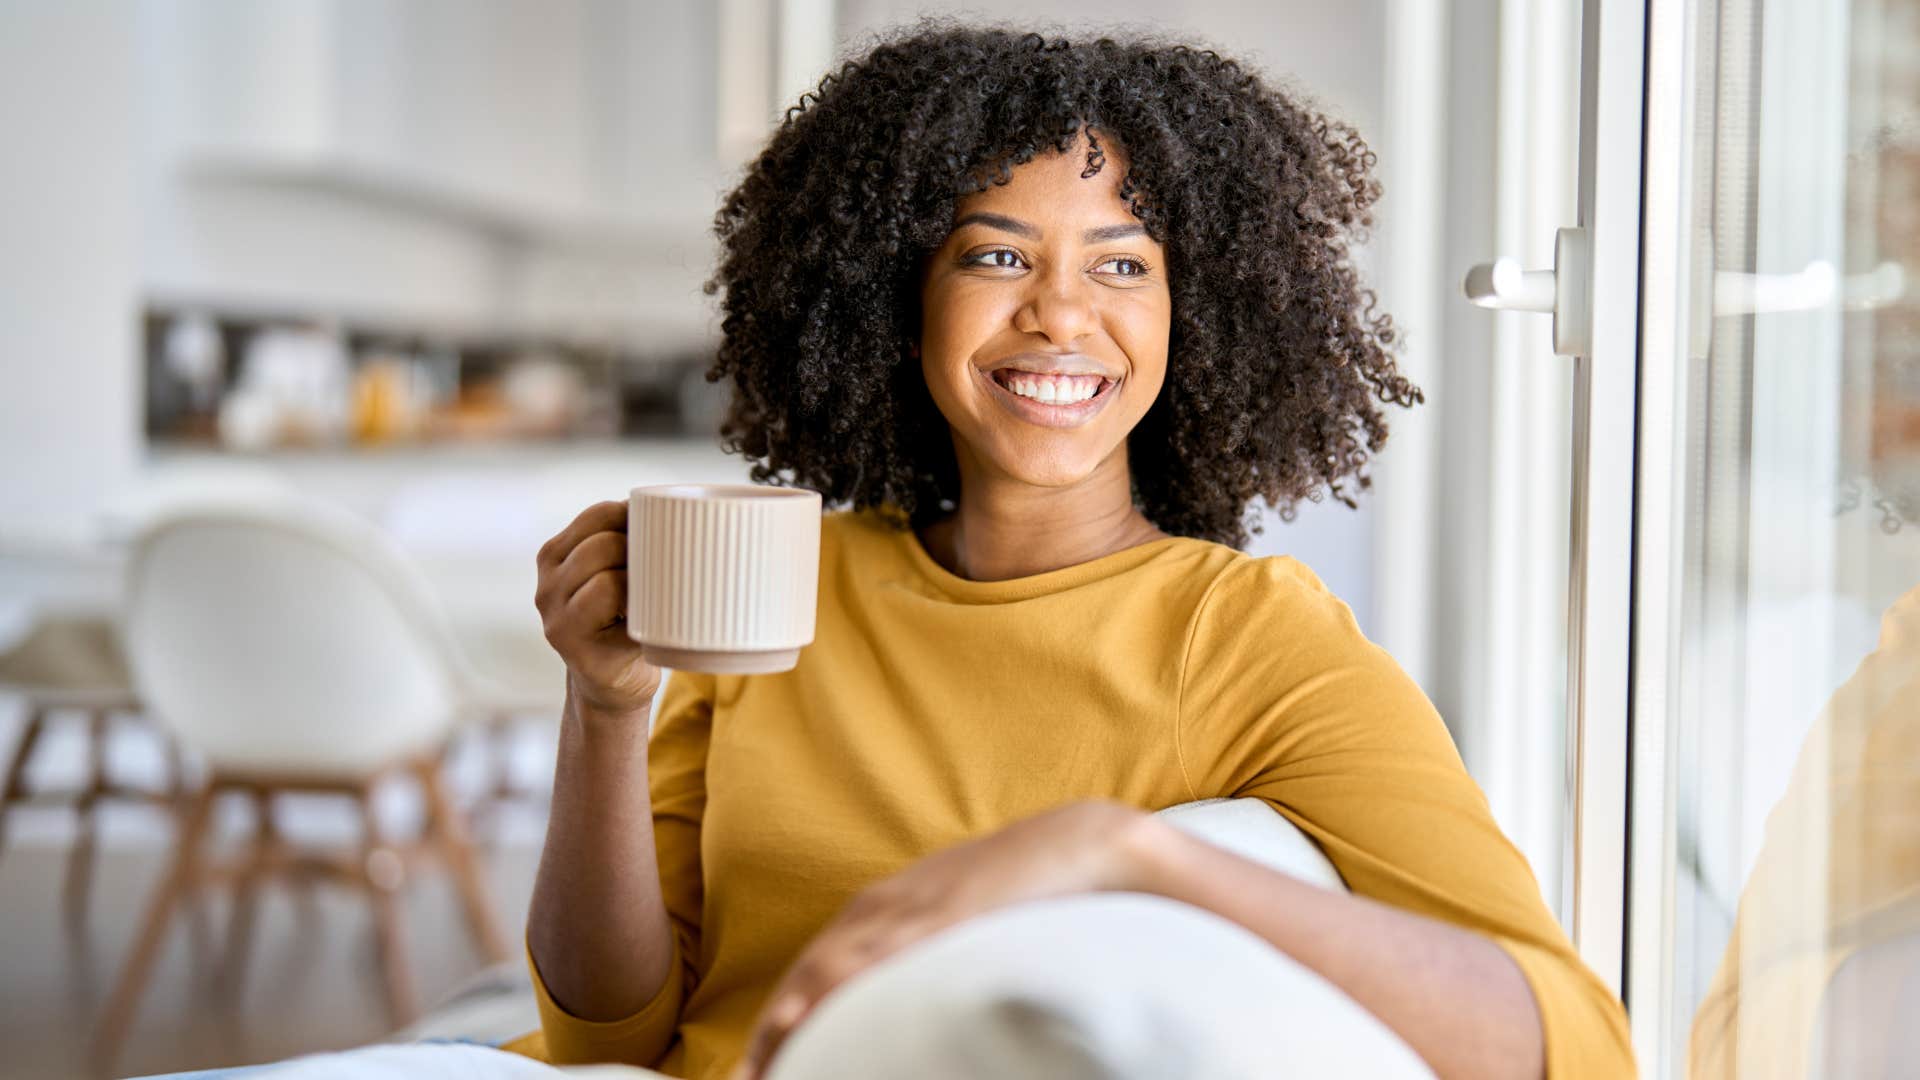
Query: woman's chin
[[1048, 470]]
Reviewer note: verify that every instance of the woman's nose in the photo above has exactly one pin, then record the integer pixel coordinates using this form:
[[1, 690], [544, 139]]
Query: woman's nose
[[1059, 308]]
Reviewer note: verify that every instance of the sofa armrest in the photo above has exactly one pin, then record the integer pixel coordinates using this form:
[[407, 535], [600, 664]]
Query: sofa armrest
[[1113, 986], [1254, 830]]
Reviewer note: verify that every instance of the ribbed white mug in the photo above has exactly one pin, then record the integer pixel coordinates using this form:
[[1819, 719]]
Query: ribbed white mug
[[722, 577]]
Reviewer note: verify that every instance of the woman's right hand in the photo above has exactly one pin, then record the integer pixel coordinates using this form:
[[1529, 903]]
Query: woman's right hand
[[582, 597]]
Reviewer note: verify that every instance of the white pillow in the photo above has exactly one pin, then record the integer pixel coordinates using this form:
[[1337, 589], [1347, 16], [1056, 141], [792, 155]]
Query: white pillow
[[1111, 986], [1253, 830]]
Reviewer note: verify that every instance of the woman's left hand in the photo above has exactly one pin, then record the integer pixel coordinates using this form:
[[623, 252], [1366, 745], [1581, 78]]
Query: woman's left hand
[[1077, 848]]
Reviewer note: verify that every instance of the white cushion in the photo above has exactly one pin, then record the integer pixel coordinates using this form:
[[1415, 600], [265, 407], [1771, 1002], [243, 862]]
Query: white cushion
[[1253, 830], [1113, 986]]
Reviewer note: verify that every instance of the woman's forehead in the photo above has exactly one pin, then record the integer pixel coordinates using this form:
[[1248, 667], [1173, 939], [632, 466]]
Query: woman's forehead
[[1049, 188]]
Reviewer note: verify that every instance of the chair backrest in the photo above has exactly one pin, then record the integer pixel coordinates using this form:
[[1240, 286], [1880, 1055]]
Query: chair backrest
[[288, 639]]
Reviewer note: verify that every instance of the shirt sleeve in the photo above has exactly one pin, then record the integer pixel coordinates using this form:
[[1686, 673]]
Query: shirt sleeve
[[1283, 699], [677, 786]]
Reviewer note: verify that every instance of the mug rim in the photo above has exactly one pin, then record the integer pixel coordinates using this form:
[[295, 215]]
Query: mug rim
[[689, 491]]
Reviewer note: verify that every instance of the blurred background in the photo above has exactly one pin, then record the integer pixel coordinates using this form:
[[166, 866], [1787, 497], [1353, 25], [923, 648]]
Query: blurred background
[[430, 271]]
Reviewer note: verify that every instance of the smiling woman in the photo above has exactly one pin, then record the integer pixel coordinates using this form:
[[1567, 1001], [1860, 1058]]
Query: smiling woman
[[1042, 319], [1190, 221]]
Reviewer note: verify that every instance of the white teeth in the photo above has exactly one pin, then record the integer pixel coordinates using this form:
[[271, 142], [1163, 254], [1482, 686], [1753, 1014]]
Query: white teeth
[[1054, 390]]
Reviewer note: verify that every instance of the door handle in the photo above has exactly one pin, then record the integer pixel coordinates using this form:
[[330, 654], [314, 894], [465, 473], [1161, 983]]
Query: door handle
[[1562, 291], [1816, 287], [1736, 292], [1503, 285]]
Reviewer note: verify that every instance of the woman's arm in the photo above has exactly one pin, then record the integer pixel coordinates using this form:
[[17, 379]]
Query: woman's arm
[[1454, 996], [597, 928], [1284, 700], [600, 933], [1457, 998]]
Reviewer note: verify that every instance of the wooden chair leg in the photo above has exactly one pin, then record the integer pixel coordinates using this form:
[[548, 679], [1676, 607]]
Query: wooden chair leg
[[246, 894], [14, 788], [449, 837], [385, 871], [176, 766], [500, 730], [75, 891], [180, 878], [180, 794]]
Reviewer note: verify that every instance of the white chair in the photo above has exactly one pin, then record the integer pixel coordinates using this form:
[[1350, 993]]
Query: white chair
[[293, 649], [471, 534]]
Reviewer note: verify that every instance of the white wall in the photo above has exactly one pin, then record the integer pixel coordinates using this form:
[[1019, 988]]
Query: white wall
[[452, 163], [1334, 50], [68, 389]]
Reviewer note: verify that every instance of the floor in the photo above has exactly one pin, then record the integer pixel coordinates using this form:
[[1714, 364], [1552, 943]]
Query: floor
[[311, 983]]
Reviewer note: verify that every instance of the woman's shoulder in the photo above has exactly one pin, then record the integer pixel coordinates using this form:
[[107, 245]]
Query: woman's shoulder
[[1238, 572], [1252, 590], [1269, 622]]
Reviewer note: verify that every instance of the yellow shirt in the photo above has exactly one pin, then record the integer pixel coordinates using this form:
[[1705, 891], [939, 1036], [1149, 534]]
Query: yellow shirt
[[931, 709]]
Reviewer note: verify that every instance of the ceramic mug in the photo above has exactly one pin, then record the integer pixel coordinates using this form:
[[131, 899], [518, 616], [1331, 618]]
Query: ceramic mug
[[722, 578]]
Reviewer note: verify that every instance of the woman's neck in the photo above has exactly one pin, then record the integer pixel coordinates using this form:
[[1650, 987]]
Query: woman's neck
[[1007, 529]]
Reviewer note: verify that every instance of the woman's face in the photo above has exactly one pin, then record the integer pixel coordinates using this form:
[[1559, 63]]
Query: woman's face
[[1045, 319]]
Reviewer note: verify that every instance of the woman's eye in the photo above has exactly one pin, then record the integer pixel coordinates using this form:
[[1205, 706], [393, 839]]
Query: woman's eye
[[999, 259], [1006, 259]]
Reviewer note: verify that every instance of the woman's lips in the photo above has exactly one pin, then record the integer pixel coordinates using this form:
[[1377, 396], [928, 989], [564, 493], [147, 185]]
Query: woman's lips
[[1050, 414]]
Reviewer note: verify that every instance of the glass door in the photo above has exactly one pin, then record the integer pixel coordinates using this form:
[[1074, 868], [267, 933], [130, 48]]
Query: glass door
[[1774, 915], [1743, 721], [1592, 293]]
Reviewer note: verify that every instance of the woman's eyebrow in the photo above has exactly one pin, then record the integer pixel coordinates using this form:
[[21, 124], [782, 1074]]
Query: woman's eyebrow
[[998, 221], [1113, 232], [1017, 227]]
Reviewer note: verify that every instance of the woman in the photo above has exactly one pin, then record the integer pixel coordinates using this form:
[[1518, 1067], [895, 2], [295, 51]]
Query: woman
[[1048, 317]]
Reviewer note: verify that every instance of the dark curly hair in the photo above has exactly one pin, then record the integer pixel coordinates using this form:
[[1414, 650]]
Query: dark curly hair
[[1276, 352]]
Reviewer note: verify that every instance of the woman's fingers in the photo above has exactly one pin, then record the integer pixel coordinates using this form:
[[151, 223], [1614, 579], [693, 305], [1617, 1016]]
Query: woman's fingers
[[600, 601], [602, 551], [782, 1016], [769, 1035], [789, 1003], [582, 599], [600, 517], [835, 958]]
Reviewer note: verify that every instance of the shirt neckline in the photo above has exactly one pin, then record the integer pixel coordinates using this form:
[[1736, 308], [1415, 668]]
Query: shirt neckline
[[1033, 585]]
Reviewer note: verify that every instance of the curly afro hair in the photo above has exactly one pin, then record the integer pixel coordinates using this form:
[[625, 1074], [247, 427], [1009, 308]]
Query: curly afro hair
[[1276, 353]]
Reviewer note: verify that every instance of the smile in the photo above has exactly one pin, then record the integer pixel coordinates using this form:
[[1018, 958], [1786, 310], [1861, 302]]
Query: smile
[[1051, 399]]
